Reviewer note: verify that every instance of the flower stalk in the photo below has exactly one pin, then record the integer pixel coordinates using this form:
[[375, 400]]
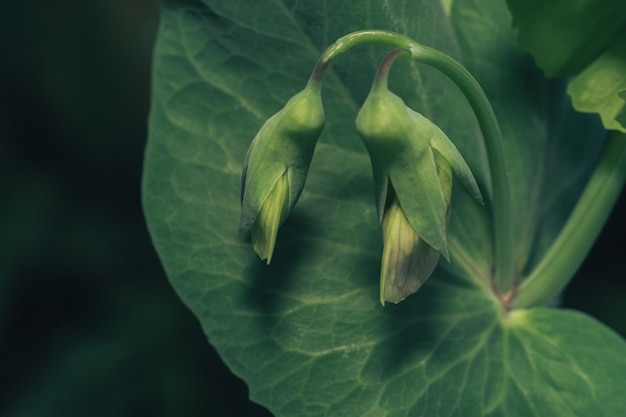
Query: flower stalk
[[500, 202], [576, 238]]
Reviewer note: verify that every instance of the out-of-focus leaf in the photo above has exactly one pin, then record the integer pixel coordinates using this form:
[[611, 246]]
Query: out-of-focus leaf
[[585, 39], [564, 36], [601, 87]]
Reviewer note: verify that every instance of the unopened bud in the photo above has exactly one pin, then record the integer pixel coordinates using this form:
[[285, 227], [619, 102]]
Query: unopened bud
[[276, 166]]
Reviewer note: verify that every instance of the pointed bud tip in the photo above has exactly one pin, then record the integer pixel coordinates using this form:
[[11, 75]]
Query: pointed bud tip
[[264, 250], [446, 253]]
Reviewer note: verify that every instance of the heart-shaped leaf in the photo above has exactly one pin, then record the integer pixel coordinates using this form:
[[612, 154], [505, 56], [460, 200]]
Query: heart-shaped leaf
[[307, 333]]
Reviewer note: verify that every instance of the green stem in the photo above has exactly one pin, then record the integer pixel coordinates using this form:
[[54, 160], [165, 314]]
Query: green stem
[[501, 202], [569, 249], [353, 39], [504, 274], [369, 36], [382, 74]]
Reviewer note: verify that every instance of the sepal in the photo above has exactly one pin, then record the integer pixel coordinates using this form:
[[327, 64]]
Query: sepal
[[277, 162]]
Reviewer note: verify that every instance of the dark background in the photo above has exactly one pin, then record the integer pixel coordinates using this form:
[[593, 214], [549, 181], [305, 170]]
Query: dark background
[[89, 325]]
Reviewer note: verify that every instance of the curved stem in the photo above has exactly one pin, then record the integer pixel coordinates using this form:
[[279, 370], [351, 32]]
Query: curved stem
[[569, 249], [382, 74], [353, 39], [501, 202], [504, 274]]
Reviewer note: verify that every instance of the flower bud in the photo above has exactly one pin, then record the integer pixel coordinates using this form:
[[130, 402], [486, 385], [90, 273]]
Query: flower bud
[[276, 166], [411, 160], [273, 211], [407, 259]]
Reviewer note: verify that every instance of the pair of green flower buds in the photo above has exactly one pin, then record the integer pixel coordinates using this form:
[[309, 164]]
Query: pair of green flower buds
[[412, 162]]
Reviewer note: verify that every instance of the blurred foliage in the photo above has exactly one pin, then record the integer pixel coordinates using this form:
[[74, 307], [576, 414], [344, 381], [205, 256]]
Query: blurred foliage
[[88, 322]]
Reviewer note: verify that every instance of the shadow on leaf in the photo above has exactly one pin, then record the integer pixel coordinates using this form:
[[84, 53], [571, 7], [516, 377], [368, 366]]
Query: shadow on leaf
[[269, 285], [426, 328]]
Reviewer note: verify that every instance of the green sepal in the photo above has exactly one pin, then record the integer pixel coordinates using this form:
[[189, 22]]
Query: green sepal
[[416, 183], [276, 165], [440, 142], [273, 213], [283, 146]]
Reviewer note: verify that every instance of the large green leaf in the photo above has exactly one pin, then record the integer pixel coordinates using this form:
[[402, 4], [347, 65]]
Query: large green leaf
[[306, 333], [585, 39]]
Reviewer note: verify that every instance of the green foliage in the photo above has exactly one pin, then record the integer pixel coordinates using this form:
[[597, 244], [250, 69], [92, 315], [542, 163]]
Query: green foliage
[[306, 333], [586, 39]]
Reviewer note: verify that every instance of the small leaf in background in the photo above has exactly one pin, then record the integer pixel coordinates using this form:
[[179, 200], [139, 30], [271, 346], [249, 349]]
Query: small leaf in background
[[600, 87], [621, 115], [585, 39]]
